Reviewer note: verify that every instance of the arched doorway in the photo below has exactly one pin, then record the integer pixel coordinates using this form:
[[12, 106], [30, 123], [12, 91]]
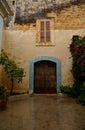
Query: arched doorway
[[45, 77], [47, 62]]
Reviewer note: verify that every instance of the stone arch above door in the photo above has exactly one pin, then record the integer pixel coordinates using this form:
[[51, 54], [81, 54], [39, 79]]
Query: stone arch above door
[[58, 71]]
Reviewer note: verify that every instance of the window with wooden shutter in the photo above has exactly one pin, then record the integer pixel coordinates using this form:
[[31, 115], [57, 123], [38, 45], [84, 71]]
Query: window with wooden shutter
[[45, 31], [42, 36], [48, 31]]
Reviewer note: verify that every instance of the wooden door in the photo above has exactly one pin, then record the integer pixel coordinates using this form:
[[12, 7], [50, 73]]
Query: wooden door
[[45, 77]]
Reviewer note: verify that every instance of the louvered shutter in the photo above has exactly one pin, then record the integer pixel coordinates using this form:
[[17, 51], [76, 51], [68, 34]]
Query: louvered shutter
[[42, 31], [47, 31]]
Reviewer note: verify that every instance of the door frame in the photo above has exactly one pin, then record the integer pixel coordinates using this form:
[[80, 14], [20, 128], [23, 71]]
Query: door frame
[[58, 72]]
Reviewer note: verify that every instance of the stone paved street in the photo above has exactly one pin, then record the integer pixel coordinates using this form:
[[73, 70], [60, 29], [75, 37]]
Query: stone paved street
[[43, 112]]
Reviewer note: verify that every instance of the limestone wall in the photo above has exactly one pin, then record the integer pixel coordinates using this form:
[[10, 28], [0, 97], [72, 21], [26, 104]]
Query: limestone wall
[[21, 46], [20, 42], [71, 18]]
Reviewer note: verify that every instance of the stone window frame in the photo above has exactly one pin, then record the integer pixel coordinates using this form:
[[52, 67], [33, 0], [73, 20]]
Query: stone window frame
[[45, 42]]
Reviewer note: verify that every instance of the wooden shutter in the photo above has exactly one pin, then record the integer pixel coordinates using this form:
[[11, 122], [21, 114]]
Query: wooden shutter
[[45, 36], [47, 31], [42, 31]]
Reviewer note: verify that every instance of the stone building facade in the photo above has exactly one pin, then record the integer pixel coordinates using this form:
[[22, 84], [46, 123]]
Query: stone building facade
[[41, 45], [5, 12]]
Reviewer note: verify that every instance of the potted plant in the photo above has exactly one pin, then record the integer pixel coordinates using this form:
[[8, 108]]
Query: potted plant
[[3, 97]]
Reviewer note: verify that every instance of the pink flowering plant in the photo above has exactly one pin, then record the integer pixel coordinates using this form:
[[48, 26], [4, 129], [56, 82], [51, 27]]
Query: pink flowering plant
[[77, 49]]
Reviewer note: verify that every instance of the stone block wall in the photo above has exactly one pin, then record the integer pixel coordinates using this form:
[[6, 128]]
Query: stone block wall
[[21, 46], [20, 43], [71, 18]]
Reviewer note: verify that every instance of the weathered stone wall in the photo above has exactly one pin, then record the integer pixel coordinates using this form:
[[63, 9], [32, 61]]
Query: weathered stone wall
[[21, 46], [20, 43], [71, 18]]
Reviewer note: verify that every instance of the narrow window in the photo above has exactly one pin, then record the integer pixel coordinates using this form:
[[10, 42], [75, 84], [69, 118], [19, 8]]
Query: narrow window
[[45, 31], [48, 31], [42, 36]]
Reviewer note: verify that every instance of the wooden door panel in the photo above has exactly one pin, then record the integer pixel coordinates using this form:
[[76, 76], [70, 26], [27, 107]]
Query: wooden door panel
[[45, 77]]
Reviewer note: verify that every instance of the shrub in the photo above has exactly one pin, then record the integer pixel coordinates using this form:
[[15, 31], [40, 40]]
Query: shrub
[[3, 93], [77, 49], [13, 71], [82, 89], [81, 99], [66, 89]]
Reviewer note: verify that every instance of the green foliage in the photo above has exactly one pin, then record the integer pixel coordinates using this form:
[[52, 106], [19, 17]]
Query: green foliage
[[71, 91], [3, 93], [75, 90], [77, 49], [3, 58], [66, 89], [11, 68], [13, 71], [81, 99], [82, 89]]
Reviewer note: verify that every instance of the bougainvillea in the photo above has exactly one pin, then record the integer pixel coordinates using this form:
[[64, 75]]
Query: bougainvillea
[[77, 49]]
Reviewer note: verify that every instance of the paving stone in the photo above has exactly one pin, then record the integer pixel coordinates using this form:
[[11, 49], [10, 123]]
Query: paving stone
[[43, 112]]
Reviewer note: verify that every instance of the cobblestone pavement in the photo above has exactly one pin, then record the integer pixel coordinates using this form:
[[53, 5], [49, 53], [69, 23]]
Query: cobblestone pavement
[[43, 112]]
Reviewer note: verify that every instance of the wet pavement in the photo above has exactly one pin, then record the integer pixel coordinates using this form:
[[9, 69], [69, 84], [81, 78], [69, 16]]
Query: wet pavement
[[43, 112]]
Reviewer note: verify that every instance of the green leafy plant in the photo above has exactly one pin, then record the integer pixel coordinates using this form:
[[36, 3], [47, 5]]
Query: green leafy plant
[[4, 94], [77, 49], [81, 99], [66, 89], [13, 71]]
